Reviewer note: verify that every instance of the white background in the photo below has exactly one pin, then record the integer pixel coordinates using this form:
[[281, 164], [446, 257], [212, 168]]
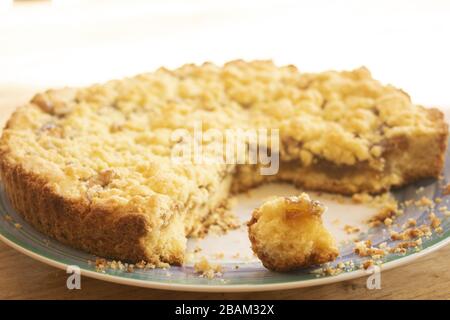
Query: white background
[[58, 43]]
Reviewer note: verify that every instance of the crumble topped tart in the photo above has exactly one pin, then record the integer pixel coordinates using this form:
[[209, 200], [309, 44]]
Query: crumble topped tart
[[287, 233], [91, 167]]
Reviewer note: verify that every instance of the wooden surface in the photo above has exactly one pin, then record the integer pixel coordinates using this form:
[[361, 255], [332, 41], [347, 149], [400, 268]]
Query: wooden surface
[[24, 278]]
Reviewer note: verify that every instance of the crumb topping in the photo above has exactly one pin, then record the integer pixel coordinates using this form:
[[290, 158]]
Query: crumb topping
[[297, 206], [341, 117]]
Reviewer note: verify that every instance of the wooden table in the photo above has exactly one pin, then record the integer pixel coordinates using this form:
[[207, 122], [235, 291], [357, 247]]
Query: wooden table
[[24, 278]]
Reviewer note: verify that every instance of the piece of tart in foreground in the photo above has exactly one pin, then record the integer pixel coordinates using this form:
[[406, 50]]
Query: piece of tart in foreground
[[287, 233]]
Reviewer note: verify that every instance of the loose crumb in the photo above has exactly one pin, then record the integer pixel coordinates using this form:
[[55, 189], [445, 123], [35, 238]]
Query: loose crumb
[[365, 249], [424, 202], [403, 246], [197, 249], [331, 271], [102, 265], [398, 250], [388, 221], [411, 233], [336, 221], [207, 269], [389, 211], [411, 222], [367, 264], [407, 203], [434, 221], [383, 245], [446, 189], [219, 222], [219, 255], [350, 229]]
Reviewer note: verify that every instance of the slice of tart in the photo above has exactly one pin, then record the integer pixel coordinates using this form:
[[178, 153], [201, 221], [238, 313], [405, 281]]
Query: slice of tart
[[287, 233]]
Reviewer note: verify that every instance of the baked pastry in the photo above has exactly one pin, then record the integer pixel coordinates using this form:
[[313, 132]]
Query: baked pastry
[[287, 233], [92, 167]]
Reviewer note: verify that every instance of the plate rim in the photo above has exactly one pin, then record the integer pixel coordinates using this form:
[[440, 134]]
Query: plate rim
[[231, 288]]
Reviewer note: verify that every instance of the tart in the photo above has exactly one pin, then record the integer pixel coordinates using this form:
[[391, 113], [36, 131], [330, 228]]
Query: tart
[[92, 167], [287, 233]]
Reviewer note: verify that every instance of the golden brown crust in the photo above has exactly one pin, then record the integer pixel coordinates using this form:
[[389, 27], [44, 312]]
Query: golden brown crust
[[102, 231], [441, 140], [95, 230]]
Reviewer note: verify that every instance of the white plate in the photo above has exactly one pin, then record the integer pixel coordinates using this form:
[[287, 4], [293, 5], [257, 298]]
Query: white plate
[[250, 274]]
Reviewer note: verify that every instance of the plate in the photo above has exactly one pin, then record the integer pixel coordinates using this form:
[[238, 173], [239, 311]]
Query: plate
[[241, 269]]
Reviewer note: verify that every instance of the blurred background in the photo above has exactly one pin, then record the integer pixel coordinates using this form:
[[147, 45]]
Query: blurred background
[[70, 43]]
